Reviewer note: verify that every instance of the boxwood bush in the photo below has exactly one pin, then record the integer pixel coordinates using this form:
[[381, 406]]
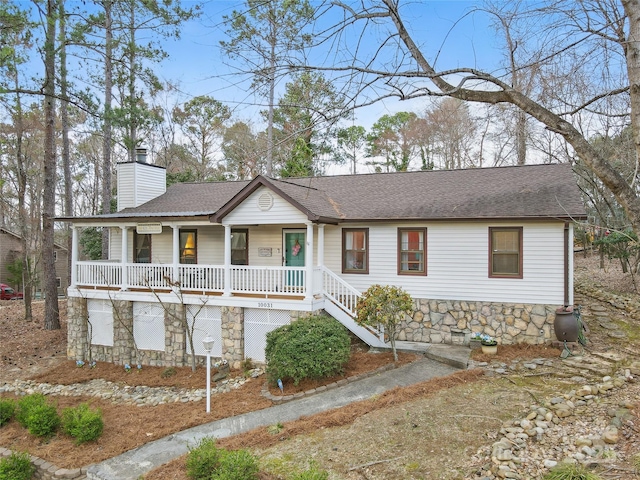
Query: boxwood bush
[[314, 347], [82, 423], [16, 466], [208, 462], [7, 409], [26, 405], [37, 415]]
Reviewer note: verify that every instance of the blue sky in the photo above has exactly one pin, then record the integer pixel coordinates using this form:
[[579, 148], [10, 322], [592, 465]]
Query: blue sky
[[462, 39]]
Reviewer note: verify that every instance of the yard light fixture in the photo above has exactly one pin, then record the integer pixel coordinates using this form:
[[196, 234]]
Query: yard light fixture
[[207, 342]]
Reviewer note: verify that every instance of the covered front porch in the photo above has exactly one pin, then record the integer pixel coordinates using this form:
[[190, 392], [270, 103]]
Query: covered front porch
[[279, 267]]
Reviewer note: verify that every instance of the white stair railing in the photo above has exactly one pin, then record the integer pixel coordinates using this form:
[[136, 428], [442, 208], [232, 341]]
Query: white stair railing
[[343, 300]]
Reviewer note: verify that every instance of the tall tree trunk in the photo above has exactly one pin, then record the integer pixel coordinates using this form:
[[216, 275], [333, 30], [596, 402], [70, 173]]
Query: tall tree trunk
[[51, 314], [107, 127], [133, 116], [66, 156], [21, 173]]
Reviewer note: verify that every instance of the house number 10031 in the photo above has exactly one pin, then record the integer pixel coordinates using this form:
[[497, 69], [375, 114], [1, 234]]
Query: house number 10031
[[265, 305]]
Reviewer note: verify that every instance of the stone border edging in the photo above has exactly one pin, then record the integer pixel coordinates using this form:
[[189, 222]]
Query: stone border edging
[[287, 398], [619, 301], [49, 471]]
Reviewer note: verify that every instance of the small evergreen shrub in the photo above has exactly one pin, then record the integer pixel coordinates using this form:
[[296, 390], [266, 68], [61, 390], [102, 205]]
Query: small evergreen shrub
[[208, 462], [43, 420], [7, 409], [26, 404], [203, 459], [314, 347], [16, 466], [236, 465], [312, 474], [82, 423]]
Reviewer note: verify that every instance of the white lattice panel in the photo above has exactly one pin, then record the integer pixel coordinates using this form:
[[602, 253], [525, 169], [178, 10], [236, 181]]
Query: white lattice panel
[[207, 321], [100, 328], [148, 326], [257, 323]]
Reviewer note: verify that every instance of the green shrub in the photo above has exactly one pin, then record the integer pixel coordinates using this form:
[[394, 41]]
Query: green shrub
[[82, 423], [203, 459], [236, 465], [26, 405], [16, 466], [43, 420], [571, 471], [312, 474], [314, 347], [208, 462], [7, 409]]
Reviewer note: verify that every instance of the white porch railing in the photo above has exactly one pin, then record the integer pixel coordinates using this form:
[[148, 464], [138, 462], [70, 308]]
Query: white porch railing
[[268, 280], [204, 278], [99, 274], [149, 275]]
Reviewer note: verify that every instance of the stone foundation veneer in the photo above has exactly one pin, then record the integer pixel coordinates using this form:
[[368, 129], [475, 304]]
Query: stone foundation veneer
[[449, 321], [432, 321]]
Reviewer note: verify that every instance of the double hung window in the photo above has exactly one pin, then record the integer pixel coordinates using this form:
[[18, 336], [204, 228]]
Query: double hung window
[[505, 252], [412, 251], [355, 250]]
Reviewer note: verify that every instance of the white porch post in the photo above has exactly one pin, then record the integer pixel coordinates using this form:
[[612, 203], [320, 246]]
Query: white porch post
[[175, 255], [123, 255], [227, 261], [320, 245], [309, 262], [74, 256]]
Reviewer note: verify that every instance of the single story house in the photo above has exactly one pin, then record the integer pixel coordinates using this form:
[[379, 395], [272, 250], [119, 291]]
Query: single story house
[[479, 250]]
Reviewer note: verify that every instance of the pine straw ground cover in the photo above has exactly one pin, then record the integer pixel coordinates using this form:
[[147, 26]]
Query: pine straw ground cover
[[426, 431]]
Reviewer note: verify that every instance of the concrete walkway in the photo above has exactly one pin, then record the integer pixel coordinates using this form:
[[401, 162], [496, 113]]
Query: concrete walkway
[[132, 464]]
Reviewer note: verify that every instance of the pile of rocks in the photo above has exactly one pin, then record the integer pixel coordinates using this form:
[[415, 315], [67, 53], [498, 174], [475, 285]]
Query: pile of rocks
[[126, 394], [582, 425]]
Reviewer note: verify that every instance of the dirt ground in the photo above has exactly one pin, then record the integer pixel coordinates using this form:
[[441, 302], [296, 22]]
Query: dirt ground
[[28, 351]]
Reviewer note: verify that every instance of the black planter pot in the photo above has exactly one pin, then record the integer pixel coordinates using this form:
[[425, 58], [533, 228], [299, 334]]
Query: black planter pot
[[565, 326]]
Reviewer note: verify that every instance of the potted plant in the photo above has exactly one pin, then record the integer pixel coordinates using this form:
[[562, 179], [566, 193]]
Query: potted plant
[[475, 340], [489, 344]]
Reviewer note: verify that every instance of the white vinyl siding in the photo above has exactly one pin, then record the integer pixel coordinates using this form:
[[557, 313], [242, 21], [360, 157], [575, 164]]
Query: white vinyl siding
[[249, 212], [457, 262], [138, 183]]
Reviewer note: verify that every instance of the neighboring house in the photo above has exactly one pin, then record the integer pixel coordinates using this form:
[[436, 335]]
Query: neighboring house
[[487, 250], [11, 250]]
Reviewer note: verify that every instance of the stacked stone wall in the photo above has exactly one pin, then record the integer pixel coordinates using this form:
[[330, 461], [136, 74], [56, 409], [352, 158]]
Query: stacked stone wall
[[233, 335], [447, 321], [432, 321]]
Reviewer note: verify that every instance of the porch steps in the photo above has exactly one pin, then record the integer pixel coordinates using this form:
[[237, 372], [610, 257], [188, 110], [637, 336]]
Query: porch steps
[[347, 320]]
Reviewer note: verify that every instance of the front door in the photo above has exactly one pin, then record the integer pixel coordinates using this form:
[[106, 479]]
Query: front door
[[294, 255]]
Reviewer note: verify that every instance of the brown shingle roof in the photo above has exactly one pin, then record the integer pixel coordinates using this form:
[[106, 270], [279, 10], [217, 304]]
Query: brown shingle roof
[[530, 191]]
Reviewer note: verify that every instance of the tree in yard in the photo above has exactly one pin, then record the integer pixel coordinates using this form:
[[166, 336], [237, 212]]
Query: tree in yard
[[305, 119], [202, 120], [384, 306], [51, 313], [451, 131], [243, 152], [266, 37], [393, 137], [596, 43], [351, 143]]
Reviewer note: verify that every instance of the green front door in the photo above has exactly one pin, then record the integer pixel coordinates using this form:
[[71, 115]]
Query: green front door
[[294, 254]]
